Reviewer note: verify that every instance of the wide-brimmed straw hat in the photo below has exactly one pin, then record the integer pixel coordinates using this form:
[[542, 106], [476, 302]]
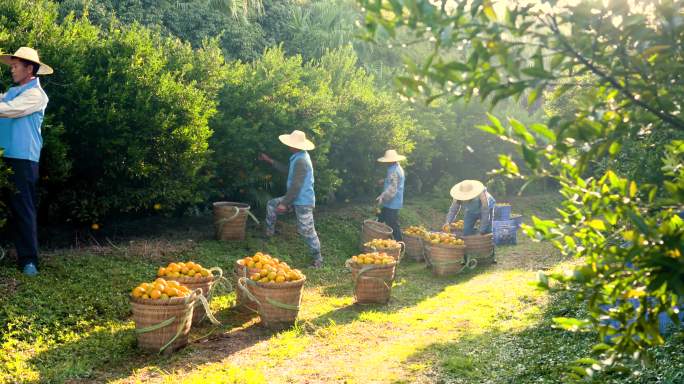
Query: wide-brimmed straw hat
[[391, 156], [467, 190], [297, 139], [28, 54]]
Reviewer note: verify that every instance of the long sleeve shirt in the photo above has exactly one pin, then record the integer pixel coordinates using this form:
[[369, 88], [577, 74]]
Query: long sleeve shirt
[[30, 101], [480, 203], [297, 181]]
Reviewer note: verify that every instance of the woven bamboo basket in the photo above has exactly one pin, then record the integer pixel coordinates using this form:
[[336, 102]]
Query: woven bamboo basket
[[241, 300], [230, 220], [480, 247], [205, 284], [374, 230], [277, 303], [446, 259], [397, 253], [372, 282], [163, 325], [414, 247]]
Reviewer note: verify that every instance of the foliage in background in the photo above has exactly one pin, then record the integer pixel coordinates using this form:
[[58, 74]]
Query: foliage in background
[[332, 100], [627, 234], [127, 124]]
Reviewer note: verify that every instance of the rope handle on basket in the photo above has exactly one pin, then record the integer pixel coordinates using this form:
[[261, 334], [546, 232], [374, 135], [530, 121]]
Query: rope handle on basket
[[363, 271], [275, 303], [218, 280], [223, 221], [181, 324], [241, 285]]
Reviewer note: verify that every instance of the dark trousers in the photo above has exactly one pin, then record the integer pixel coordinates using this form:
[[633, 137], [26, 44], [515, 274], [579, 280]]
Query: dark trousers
[[391, 217], [23, 203]]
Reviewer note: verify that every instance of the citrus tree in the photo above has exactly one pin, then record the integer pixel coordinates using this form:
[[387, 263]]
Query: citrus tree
[[626, 233]]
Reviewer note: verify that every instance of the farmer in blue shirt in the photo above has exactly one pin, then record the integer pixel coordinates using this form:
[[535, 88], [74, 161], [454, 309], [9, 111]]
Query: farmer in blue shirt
[[477, 204], [22, 110], [300, 195], [392, 196]]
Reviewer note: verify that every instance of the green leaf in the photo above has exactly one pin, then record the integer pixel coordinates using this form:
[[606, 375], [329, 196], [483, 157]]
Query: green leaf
[[537, 73], [614, 148], [572, 324], [530, 156], [597, 224], [489, 11], [497, 124], [520, 129], [557, 60], [489, 129], [544, 131], [632, 189]]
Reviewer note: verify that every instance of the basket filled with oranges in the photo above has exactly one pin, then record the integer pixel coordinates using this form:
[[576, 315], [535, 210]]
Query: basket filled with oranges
[[162, 312], [391, 247], [373, 275], [413, 238], [455, 228], [445, 253], [193, 276], [271, 287]]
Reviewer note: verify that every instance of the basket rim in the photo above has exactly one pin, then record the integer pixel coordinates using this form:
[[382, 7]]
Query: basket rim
[[449, 246], [383, 227], [379, 248], [217, 204], [171, 301], [286, 284], [356, 265], [194, 280]]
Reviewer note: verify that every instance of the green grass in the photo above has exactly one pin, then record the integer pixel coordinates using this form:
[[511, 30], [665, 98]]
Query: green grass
[[73, 324]]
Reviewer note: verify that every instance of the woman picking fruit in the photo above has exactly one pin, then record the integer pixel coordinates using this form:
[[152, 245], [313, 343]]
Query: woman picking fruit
[[477, 204]]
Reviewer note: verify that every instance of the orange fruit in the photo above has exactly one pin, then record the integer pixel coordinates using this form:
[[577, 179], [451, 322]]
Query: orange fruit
[[155, 294], [280, 279], [161, 271], [172, 292], [138, 291]]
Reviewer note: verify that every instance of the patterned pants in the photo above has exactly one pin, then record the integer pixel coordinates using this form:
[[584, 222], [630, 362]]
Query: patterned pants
[[305, 225]]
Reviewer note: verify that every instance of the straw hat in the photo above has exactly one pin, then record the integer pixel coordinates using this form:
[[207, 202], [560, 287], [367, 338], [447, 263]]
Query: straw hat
[[391, 156], [467, 190], [28, 54], [297, 139]]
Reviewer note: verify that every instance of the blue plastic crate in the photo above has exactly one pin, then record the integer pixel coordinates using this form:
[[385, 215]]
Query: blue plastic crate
[[502, 212], [505, 232], [517, 219]]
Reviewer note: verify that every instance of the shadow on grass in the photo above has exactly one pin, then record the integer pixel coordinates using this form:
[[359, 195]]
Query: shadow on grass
[[536, 354], [413, 284], [107, 354]]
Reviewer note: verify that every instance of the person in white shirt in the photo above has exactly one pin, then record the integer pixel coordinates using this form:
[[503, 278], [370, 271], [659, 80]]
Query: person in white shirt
[[22, 109]]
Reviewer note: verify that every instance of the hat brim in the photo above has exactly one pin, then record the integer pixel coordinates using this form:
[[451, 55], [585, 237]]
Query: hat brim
[[305, 145], [463, 196], [43, 69], [391, 159]]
